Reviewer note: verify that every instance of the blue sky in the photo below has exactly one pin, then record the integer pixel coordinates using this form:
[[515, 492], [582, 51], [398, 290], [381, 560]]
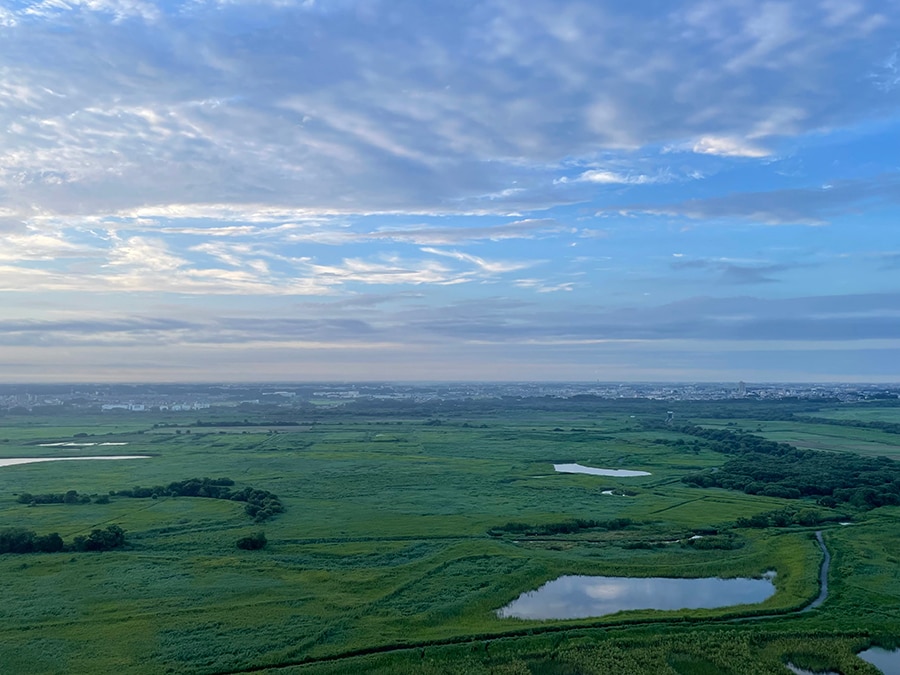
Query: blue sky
[[491, 190]]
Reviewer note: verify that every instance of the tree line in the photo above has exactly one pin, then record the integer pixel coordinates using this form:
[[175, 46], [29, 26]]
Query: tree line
[[788, 516], [21, 540], [258, 504], [68, 497]]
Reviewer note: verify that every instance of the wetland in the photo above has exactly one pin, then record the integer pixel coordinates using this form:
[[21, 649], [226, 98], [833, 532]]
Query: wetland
[[395, 540]]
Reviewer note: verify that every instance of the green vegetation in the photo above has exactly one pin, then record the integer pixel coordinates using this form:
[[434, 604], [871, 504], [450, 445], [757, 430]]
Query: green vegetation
[[20, 540], [260, 504], [252, 542], [565, 527], [780, 470], [398, 538]]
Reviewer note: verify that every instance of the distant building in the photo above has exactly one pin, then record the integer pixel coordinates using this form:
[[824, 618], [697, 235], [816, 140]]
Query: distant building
[[742, 388]]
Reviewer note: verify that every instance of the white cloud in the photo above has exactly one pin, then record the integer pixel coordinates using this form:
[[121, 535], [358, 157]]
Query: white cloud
[[727, 147], [542, 286], [487, 266], [613, 178], [391, 272], [118, 9], [40, 246]]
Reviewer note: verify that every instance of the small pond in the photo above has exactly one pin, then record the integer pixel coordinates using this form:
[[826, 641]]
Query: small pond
[[14, 461], [616, 473], [581, 597], [886, 660]]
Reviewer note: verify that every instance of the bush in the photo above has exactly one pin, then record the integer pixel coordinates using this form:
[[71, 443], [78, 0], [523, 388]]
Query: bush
[[253, 542]]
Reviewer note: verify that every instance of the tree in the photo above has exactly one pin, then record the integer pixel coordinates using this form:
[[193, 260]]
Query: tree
[[50, 543], [100, 540]]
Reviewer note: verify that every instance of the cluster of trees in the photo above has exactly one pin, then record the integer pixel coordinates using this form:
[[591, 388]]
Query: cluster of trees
[[564, 527], [787, 517], [775, 469], [69, 497], [20, 540], [258, 504]]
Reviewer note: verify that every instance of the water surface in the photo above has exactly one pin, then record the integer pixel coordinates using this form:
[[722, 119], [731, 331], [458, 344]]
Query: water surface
[[72, 444], [616, 473], [886, 660], [803, 671], [15, 461], [581, 597]]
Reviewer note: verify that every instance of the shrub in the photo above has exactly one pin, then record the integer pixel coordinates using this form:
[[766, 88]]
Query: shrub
[[252, 542]]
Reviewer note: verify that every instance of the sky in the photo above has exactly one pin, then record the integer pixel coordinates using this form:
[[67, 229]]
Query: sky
[[277, 190]]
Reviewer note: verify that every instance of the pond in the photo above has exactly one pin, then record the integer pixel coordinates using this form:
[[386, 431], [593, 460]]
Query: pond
[[15, 461], [886, 660], [70, 444], [581, 597], [615, 473]]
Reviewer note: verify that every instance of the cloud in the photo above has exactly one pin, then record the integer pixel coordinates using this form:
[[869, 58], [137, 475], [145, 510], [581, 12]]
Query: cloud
[[890, 260], [732, 272], [486, 266], [814, 319], [423, 170], [727, 147], [520, 229], [110, 105], [40, 246], [542, 286], [437, 236], [613, 178], [887, 75], [484, 338], [799, 206]]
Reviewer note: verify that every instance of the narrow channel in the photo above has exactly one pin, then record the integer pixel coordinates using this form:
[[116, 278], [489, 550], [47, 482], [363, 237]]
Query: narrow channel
[[823, 575]]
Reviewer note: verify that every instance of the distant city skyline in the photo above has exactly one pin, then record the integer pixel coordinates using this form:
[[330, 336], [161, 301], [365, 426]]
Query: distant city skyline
[[545, 190]]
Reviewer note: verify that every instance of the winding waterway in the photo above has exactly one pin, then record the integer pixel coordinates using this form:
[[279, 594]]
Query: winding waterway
[[823, 575]]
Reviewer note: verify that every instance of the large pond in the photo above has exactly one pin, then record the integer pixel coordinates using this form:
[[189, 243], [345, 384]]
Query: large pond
[[13, 461], [581, 597], [615, 473], [887, 661]]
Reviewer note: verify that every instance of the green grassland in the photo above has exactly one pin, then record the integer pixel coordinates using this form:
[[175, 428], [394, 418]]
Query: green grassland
[[383, 560]]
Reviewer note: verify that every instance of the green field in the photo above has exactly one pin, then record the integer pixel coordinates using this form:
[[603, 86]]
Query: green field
[[383, 560]]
